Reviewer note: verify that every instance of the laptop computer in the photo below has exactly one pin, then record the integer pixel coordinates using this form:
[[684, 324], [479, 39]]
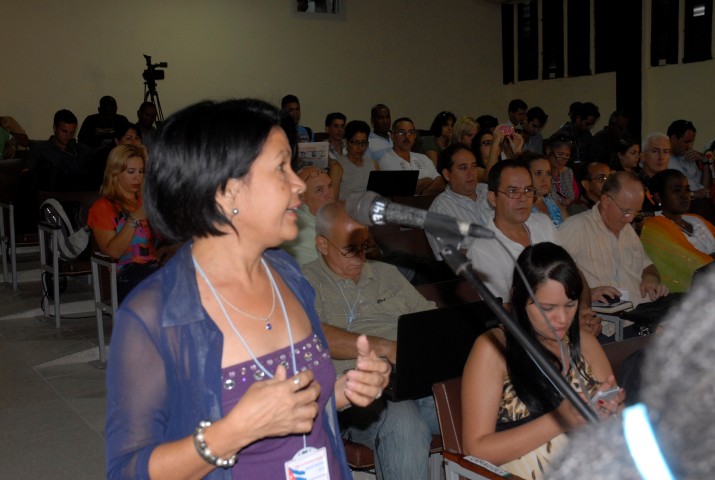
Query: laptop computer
[[389, 183], [433, 346]]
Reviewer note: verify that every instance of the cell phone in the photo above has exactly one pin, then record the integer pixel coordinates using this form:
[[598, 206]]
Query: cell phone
[[606, 395], [506, 130]]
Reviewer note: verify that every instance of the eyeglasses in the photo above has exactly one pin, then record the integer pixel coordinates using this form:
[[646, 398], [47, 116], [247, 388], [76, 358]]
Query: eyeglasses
[[351, 251], [600, 178], [402, 133], [358, 143], [627, 212], [561, 156], [315, 174], [515, 193]]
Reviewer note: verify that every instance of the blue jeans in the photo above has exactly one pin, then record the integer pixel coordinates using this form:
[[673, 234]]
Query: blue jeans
[[399, 433]]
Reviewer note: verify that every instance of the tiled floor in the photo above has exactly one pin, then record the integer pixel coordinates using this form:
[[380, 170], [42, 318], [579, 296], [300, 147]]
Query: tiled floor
[[52, 392]]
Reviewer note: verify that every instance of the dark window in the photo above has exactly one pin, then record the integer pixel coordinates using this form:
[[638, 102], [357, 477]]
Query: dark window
[[698, 30], [528, 41], [552, 13], [664, 33], [579, 37], [607, 34], [507, 43]]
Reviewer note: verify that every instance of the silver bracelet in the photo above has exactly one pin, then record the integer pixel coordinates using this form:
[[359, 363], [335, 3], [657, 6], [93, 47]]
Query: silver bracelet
[[203, 449]]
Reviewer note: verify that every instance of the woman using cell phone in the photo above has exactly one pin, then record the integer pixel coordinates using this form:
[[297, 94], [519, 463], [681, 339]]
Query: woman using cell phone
[[512, 415]]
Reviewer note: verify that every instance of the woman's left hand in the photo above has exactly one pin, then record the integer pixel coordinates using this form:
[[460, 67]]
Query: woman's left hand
[[608, 408], [364, 384]]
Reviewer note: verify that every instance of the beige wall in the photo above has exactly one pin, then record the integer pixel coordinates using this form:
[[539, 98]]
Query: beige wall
[[419, 57]]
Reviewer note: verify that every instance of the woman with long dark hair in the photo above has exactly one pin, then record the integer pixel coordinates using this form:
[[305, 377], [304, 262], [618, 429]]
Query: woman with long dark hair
[[512, 415]]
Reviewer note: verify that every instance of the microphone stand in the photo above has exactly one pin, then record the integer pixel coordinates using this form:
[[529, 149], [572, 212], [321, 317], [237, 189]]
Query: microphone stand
[[462, 266]]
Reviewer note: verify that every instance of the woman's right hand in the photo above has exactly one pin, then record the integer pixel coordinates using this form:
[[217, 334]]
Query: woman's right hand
[[276, 407]]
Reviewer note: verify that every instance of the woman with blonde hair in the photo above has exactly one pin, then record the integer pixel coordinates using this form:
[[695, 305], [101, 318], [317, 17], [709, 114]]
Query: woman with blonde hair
[[464, 130], [118, 221]]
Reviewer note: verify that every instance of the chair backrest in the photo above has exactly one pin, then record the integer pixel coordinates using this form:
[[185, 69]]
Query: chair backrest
[[617, 352], [449, 292], [448, 399]]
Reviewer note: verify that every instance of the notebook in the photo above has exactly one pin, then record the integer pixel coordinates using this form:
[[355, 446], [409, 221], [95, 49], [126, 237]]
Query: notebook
[[433, 346], [389, 183]]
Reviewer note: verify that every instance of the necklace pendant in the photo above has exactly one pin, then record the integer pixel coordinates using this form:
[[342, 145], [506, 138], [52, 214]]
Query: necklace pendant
[[269, 326]]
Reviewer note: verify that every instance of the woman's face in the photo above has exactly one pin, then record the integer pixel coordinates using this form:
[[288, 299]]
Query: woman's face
[[676, 197], [559, 157], [630, 158], [130, 138], [357, 146], [560, 310], [447, 128], [268, 196], [130, 180], [541, 176], [485, 144], [469, 136]]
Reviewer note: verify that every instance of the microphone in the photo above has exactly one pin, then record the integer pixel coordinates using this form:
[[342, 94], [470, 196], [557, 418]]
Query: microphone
[[369, 208]]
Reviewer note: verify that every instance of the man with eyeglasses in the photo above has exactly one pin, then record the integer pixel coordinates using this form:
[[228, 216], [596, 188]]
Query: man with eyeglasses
[[596, 174], [318, 192], [401, 157], [355, 296], [511, 194], [607, 249], [356, 164]]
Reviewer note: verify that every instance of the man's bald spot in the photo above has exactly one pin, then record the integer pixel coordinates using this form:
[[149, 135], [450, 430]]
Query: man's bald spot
[[306, 172]]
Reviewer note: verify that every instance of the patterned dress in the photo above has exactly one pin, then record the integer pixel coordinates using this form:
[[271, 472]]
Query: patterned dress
[[512, 409]]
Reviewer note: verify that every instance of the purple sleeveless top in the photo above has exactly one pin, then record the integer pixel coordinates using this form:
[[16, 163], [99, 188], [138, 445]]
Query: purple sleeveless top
[[265, 458]]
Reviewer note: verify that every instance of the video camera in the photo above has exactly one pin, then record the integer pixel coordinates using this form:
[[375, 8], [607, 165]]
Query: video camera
[[152, 72]]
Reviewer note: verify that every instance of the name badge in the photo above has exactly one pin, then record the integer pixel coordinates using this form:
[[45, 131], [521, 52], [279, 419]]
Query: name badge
[[308, 464]]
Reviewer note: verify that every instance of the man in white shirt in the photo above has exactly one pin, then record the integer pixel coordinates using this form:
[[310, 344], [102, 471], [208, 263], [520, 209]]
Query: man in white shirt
[[380, 141], [683, 158], [464, 198], [401, 157]]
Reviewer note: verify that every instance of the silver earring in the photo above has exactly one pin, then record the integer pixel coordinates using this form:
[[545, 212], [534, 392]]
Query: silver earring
[[235, 211]]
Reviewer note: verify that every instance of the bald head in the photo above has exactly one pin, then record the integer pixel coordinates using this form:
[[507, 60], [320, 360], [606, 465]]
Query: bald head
[[621, 200]]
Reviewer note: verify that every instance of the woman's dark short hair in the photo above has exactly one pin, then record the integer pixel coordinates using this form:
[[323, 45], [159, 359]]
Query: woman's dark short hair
[[196, 151], [123, 128], [440, 121], [356, 126], [444, 161]]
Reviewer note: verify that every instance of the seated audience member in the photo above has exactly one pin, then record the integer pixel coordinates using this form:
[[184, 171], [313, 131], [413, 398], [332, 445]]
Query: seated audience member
[[540, 170], [564, 188], [481, 147], [380, 138], [676, 406], [335, 128], [8, 144], [516, 111], [464, 130], [118, 221], [655, 157], [128, 134], [677, 242], [605, 142], [146, 118], [511, 414], [401, 157], [607, 249], [60, 163], [318, 192], [594, 176], [511, 195], [531, 130], [440, 135], [583, 118], [353, 297], [291, 105], [464, 198], [626, 156], [356, 164], [695, 165], [502, 147], [99, 129]]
